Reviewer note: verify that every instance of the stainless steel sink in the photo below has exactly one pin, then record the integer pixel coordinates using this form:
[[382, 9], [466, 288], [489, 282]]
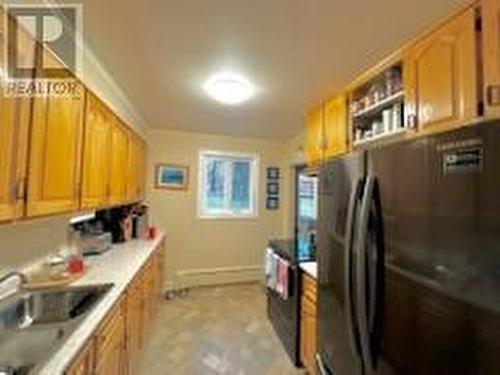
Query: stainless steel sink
[[34, 324]]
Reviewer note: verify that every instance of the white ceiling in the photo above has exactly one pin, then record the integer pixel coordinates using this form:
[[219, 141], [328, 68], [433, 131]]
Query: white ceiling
[[296, 51]]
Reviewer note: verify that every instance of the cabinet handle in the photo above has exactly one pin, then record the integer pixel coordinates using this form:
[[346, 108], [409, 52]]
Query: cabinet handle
[[412, 121], [14, 190], [19, 191], [493, 94]]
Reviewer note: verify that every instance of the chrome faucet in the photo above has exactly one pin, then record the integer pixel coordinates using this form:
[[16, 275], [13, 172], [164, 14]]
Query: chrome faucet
[[19, 274], [4, 292], [23, 317]]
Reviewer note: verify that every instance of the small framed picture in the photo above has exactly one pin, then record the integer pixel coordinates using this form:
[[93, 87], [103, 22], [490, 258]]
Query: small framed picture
[[272, 203], [273, 173], [171, 177], [273, 188]]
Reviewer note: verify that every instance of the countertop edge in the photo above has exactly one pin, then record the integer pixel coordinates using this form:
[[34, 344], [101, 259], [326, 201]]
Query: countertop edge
[[311, 268]]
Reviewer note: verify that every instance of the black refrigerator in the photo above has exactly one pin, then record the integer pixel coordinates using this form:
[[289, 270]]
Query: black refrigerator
[[409, 257]]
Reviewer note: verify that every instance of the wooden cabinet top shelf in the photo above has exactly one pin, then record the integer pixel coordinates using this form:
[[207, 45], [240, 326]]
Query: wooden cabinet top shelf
[[380, 136], [377, 107]]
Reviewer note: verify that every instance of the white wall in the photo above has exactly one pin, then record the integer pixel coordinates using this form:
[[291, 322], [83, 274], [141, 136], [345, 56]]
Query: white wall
[[201, 251], [23, 242]]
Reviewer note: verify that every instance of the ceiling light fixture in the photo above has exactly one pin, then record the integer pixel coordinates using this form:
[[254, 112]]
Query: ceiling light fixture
[[229, 88]]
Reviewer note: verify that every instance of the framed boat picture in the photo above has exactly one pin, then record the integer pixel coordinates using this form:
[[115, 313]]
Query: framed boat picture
[[171, 177]]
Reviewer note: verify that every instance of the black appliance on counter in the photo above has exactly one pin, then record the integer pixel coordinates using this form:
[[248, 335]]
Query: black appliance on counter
[[285, 314], [409, 257]]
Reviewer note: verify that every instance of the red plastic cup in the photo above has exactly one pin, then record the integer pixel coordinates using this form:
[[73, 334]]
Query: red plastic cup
[[76, 265], [152, 232]]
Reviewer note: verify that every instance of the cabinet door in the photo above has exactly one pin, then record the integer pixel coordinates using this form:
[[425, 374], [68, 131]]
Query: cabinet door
[[148, 295], [84, 363], [14, 128], [134, 169], [335, 125], [308, 335], [491, 55], [96, 155], [441, 76], [135, 305], [141, 182], [314, 140], [111, 346], [55, 158], [119, 163]]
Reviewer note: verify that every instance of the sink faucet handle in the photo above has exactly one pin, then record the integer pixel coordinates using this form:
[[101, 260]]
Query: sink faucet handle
[[8, 286], [27, 317]]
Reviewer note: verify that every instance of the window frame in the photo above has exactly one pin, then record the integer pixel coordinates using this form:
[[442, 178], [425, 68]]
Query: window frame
[[253, 188]]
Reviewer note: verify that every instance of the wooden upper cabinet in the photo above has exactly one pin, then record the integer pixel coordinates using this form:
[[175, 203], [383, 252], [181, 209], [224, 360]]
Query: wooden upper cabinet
[[14, 132], [491, 56], [96, 155], [119, 163], [55, 151], [136, 169], [335, 126], [141, 170], [314, 137], [441, 76], [55, 159]]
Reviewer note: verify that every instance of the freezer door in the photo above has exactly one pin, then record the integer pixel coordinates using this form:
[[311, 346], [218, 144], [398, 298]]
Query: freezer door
[[440, 198], [339, 189]]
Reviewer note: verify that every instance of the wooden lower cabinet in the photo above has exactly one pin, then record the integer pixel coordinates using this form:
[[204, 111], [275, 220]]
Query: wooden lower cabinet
[[135, 321], [111, 343], [84, 364], [308, 324], [116, 347]]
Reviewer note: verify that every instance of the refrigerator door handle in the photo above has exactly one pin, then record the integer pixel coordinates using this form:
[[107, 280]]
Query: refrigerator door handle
[[350, 320], [361, 268], [320, 366]]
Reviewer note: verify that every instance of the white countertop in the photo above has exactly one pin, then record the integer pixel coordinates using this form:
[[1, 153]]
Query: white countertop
[[311, 268], [118, 266]]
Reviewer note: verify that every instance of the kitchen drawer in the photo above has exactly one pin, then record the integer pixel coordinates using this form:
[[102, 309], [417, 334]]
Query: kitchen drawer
[[309, 287]]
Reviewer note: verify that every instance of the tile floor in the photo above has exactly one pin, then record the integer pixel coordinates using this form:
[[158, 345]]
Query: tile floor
[[219, 330]]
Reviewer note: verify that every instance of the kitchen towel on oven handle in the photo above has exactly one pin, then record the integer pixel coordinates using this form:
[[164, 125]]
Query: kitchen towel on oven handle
[[277, 272]]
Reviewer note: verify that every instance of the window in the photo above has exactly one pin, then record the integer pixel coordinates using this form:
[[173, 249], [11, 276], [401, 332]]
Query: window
[[227, 185]]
